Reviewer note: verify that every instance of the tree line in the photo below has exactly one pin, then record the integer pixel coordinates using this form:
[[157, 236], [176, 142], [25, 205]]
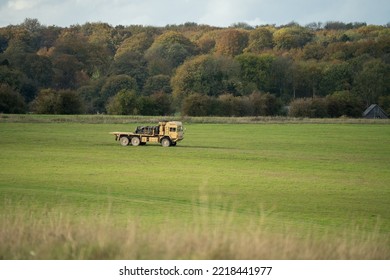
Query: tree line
[[318, 70]]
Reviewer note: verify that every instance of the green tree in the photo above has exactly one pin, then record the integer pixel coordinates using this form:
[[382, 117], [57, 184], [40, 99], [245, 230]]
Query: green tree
[[165, 104], [90, 95], [11, 76], [167, 52], [198, 105], [305, 77], [51, 101], [241, 25], [226, 105], [20, 40], [308, 108], [137, 43], [281, 76], [312, 76], [337, 76], [3, 42], [314, 50], [88, 58], [99, 34], [66, 71], [157, 104], [373, 81], [264, 104], [207, 74], [73, 43], [384, 102], [256, 71], [132, 64], [49, 36], [46, 102], [158, 83], [32, 25], [39, 69], [69, 102], [18, 81], [340, 51], [28, 90], [292, 37], [344, 103], [115, 84], [11, 102], [35, 31], [260, 39], [230, 105], [125, 102]]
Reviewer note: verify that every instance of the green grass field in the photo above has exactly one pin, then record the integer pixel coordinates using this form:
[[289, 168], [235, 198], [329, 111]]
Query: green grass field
[[308, 191]]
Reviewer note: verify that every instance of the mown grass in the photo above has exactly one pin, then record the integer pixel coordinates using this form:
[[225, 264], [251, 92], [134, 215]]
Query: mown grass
[[310, 186]]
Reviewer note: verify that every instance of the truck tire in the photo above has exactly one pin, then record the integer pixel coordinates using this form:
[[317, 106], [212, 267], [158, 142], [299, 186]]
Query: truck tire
[[135, 141], [124, 141], [165, 142]]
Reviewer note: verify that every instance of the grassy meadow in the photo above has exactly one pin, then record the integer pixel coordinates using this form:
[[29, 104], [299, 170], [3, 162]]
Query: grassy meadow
[[227, 191]]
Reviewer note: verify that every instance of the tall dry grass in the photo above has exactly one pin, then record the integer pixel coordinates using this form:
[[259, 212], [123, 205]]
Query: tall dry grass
[[53, 235]]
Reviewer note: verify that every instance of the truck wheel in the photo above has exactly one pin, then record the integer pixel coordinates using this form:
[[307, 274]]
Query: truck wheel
[[124, 141], [165, 142], [135, 141]]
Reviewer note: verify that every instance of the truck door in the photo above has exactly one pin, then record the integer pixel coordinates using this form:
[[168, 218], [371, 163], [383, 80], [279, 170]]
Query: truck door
[[173, 132]]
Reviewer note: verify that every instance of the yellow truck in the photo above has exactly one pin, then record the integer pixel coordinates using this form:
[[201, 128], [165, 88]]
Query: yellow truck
[[167, 133]]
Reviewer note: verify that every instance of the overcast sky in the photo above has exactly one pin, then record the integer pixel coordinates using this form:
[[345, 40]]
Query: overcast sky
[[213, 12]]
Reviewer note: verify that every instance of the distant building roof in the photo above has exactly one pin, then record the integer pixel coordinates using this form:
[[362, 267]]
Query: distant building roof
[[374, 112]]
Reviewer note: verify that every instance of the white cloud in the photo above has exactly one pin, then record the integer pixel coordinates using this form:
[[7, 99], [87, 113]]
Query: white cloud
[[212, 12], [22, 4]]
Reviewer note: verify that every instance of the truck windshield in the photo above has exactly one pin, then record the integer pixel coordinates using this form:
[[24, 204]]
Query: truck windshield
[[179, 128]]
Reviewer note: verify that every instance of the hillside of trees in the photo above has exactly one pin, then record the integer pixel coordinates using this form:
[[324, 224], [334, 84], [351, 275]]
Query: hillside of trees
[[318, 70]]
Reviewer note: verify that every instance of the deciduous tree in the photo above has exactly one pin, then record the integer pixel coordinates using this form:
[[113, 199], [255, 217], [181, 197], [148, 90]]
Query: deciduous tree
[[344, 103], [256, 72], [115, 84], [373, 81], [231, 42], [11, 102], [260, 39], [197, 105], [156, 84], [292, 37], [207, 74], [123, 103], [167, 52]]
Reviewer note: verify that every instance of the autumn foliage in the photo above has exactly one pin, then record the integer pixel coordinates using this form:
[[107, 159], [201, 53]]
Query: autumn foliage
[[319, 70]]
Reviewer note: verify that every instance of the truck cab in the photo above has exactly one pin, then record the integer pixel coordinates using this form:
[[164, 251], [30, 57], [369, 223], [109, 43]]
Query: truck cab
[[174, 130]]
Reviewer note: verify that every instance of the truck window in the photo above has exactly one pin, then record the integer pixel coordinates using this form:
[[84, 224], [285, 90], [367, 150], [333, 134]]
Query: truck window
[[172, 129]]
